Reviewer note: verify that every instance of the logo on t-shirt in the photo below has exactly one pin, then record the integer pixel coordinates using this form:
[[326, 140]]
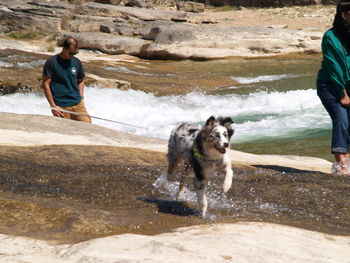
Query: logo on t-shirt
[[74, 70]]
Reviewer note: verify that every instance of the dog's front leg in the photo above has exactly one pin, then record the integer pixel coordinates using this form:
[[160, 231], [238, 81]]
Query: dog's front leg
[[201, 186], [228, 174], [183, 178]]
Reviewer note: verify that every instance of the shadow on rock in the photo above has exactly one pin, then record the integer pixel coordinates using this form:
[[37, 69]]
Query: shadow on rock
[[171, 207]]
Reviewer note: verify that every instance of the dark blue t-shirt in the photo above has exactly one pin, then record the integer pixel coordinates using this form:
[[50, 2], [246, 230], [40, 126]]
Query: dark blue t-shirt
[[64, 74]]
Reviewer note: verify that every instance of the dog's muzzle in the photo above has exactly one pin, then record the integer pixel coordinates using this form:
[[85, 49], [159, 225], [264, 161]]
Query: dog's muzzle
[[222, 149]]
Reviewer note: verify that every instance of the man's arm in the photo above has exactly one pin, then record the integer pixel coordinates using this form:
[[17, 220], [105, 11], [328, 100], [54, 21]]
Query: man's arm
[[81, 87], [48, 94]]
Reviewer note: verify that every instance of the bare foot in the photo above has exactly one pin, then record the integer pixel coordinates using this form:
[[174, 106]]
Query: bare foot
[[340, 169]]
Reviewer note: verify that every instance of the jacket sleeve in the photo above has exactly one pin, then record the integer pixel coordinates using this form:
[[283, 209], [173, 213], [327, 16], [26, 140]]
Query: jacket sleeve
[[335, 62]]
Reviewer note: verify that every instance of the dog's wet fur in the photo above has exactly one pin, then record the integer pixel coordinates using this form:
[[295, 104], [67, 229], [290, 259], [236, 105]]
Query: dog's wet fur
[[202, 150]]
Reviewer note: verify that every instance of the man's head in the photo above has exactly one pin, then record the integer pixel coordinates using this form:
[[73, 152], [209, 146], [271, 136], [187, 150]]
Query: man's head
[[70, 47]]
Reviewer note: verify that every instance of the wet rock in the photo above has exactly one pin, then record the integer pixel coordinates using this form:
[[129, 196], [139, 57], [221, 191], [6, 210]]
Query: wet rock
[[107, 82]]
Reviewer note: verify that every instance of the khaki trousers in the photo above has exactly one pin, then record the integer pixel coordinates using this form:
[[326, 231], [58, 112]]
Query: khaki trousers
[[79, 108]]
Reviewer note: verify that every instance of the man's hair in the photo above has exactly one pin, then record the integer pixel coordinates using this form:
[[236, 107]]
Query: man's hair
[[342, 30], [69, 42]]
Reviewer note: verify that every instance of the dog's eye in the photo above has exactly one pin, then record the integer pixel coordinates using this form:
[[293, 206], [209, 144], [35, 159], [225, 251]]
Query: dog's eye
[[225, 134], [217, 135]]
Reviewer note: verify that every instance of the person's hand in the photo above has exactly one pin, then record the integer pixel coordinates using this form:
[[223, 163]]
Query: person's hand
[[57, 113], [345, 101]]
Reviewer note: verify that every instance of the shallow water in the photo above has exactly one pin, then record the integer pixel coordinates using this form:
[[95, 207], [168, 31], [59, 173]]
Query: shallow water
[[58, 193]]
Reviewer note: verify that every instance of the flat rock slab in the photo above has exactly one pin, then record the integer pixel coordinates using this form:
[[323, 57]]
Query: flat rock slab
[[243, 242]]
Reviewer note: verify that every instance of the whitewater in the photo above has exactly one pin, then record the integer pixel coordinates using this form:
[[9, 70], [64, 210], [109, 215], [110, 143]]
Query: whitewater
[[258, 115]]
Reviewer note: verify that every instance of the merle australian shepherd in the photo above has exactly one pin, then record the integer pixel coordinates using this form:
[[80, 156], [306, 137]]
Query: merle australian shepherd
[[203, 150]]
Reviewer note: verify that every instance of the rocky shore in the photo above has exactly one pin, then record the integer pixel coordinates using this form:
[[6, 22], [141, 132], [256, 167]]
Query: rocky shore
[[113, 34], [169, 34]]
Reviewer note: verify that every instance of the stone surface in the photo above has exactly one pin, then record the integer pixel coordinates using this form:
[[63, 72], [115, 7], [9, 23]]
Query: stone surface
[[171, 34], [108, 43], [242, 242], [190, 6]]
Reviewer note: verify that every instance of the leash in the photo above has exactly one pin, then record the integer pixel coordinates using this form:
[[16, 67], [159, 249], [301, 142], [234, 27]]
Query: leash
[[95, 117]]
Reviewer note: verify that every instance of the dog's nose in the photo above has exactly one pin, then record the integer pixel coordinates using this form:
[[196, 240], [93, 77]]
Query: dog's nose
[[226, 144]]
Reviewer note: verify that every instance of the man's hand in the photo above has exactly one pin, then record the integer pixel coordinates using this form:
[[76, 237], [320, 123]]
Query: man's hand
[[57, 113]]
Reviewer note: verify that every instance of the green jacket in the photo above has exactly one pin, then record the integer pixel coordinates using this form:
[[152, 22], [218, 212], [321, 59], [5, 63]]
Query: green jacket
[[335, 63]]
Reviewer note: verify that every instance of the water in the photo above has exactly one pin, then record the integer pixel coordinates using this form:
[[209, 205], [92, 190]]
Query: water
[[57, 192], [272, 101], [276, 111]]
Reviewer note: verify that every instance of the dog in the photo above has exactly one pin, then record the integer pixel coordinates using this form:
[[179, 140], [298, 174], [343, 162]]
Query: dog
[[202, 150]]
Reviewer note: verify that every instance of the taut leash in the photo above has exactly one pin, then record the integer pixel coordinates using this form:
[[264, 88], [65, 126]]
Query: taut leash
[[98, 118]]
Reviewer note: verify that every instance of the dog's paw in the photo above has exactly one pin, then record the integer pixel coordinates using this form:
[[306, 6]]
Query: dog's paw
[[209, 217]]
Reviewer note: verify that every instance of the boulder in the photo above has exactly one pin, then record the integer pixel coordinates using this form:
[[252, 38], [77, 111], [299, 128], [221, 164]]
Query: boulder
[[210, 42], [21, 22], [107, 43], [138, 3], [190, 6], [169, 33], [127, 13]]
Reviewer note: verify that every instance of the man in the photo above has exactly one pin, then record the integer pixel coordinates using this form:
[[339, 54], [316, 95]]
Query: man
[[63, 82]]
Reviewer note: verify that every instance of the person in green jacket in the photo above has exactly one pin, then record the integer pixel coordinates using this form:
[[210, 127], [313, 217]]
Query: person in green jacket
[[333, 85]]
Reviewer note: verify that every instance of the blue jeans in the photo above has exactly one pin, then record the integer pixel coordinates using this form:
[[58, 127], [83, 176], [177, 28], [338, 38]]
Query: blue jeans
[[340, 116]]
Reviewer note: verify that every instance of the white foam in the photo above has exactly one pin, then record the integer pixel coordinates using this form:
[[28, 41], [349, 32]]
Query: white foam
[[4, 64], [31, 64], [261, 114], [265, 78]]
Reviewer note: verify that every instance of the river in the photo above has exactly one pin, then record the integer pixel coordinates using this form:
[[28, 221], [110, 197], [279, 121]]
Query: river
[[273, 101]]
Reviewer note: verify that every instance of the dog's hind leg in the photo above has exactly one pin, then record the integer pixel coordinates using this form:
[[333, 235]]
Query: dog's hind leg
[[201, 186], [172, 165], [183, 178]]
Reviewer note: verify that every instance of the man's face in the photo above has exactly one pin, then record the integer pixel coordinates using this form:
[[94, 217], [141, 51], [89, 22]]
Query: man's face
[[72, 51]]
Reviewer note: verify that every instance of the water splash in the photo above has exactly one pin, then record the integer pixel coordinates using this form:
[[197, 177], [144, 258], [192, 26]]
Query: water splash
[[216, 199]]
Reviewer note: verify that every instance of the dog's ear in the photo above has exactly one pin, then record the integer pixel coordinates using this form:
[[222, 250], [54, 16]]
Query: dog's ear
[[210, 122], [226, 122]]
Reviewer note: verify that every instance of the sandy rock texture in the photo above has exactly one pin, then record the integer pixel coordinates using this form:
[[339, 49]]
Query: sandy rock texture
[[242, 242]]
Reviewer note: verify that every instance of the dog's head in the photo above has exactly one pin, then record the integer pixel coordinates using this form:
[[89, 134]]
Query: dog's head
[[218, 133]]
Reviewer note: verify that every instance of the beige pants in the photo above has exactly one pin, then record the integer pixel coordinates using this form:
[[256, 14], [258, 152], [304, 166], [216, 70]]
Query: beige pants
[[79, 108]]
